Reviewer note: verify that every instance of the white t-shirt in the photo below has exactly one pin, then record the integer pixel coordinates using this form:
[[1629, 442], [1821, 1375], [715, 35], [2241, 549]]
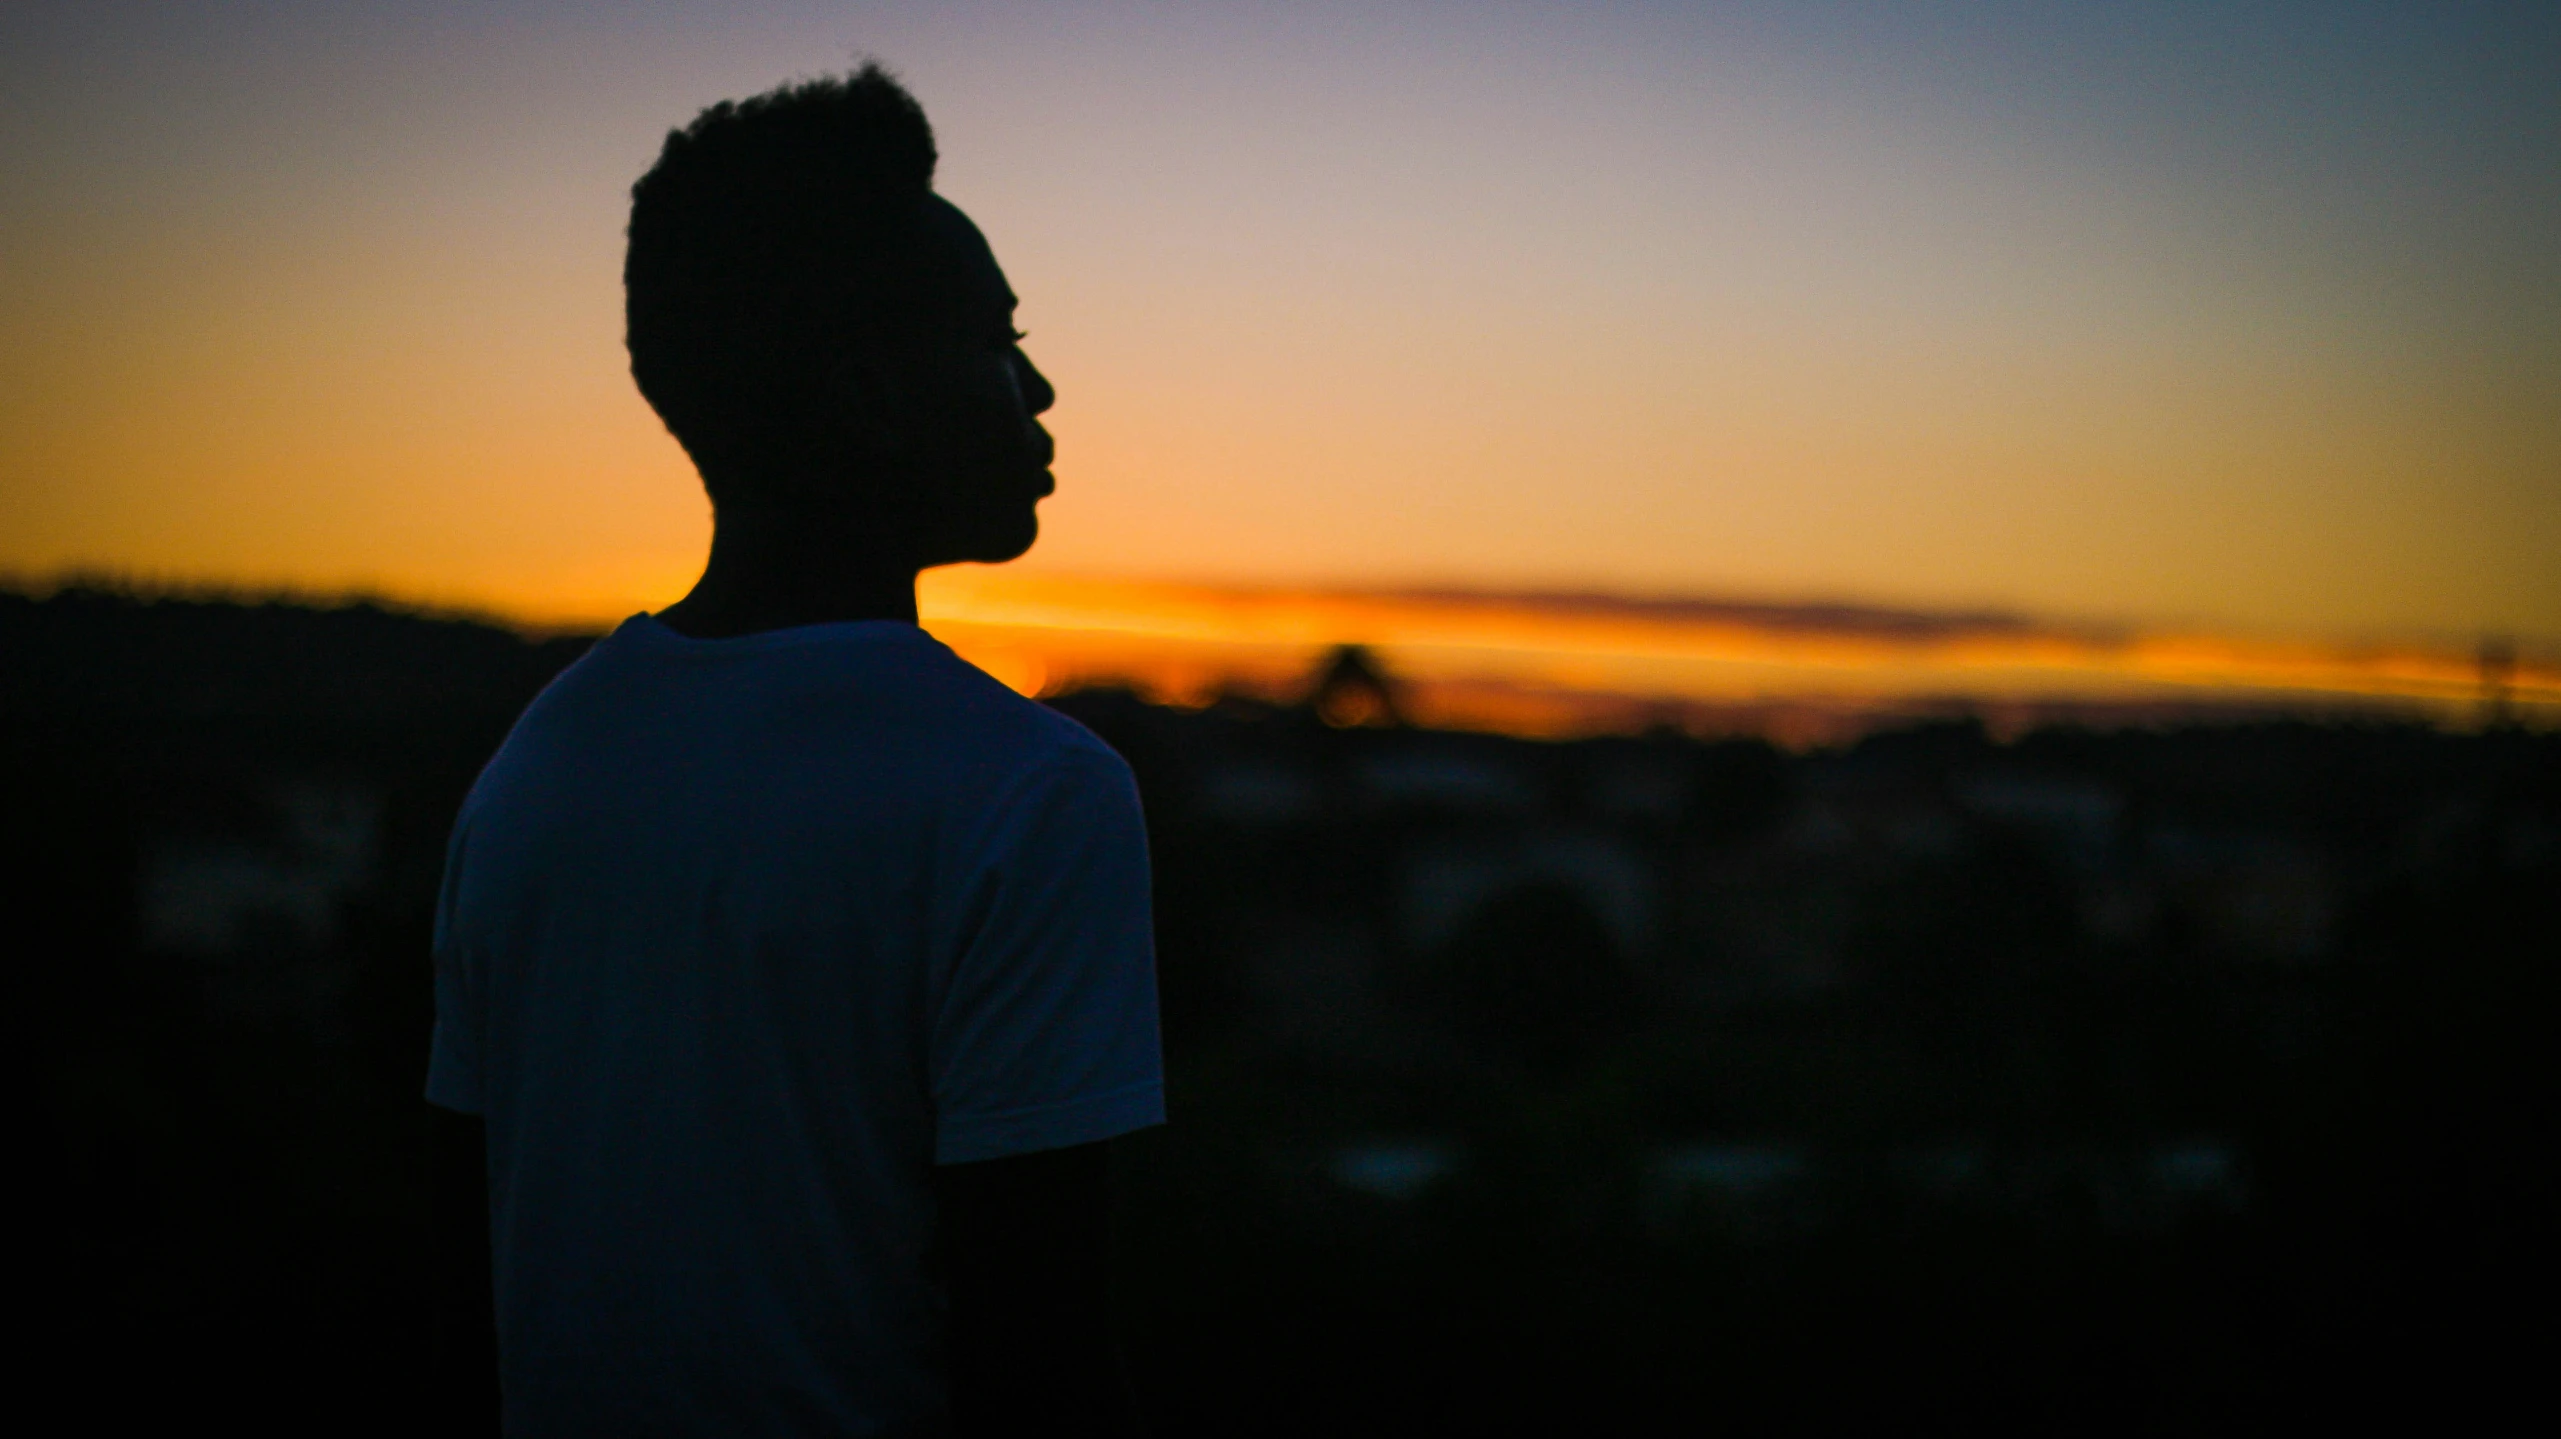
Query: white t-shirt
[[737, 939]]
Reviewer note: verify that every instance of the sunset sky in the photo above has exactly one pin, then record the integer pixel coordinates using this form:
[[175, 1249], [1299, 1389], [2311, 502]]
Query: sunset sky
[[2235, 324]]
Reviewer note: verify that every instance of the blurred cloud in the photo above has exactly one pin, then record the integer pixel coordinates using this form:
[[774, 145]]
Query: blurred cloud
[[1534, 662]]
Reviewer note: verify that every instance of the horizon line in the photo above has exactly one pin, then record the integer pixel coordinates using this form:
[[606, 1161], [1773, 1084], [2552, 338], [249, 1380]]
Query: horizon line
[[1560, 660]]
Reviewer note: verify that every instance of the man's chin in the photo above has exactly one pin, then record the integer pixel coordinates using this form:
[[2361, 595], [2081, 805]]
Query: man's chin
[[995, 543]]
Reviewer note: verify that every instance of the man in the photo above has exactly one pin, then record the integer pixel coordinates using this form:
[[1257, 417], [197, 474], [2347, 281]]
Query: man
[[798, 969]]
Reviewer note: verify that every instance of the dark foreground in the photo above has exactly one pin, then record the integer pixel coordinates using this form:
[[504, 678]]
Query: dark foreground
[[2093, 1082]]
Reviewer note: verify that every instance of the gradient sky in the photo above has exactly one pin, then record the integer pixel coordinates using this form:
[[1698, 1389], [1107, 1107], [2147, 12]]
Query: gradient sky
[[2219, 315]]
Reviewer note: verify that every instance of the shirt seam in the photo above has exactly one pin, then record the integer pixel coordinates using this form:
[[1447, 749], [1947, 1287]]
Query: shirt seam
[[647, 630], [998, 1116]]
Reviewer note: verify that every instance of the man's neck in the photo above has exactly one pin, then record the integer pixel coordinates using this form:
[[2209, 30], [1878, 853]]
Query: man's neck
[[775, 569]]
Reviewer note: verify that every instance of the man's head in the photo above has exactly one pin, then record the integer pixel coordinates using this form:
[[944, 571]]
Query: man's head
[[827, 336]]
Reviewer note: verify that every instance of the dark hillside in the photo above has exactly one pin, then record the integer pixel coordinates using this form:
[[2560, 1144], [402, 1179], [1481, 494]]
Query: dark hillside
[[2094, 1082]]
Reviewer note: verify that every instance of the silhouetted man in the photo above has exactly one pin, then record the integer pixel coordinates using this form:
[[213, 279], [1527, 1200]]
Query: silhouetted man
[[799, 969]]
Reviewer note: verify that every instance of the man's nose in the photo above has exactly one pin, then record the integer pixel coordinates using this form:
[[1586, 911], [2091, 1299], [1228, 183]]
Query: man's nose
[[1037, 395]]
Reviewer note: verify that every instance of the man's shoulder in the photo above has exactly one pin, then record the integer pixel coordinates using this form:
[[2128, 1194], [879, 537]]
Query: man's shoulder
[[1042, 740], [899, 688], [870, 693]]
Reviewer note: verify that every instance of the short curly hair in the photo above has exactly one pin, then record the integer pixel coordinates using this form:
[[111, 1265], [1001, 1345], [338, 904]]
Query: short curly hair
[[768, 235]]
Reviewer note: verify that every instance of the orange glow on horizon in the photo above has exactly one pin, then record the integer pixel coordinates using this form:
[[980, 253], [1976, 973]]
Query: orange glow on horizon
[[1560, 665]]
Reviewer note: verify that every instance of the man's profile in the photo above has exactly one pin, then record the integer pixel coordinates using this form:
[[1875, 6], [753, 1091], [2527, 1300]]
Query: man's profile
[[797, 969]]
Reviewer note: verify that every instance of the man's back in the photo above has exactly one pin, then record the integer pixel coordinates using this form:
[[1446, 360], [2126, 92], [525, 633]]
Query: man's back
[[739, 938]]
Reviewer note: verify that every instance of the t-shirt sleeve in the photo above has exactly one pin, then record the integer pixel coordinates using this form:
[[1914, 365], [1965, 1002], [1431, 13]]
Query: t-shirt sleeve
[[1046, 1030], [453, 1053]]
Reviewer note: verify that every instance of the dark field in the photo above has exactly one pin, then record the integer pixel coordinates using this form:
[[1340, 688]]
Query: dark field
[[2091, 1082]]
